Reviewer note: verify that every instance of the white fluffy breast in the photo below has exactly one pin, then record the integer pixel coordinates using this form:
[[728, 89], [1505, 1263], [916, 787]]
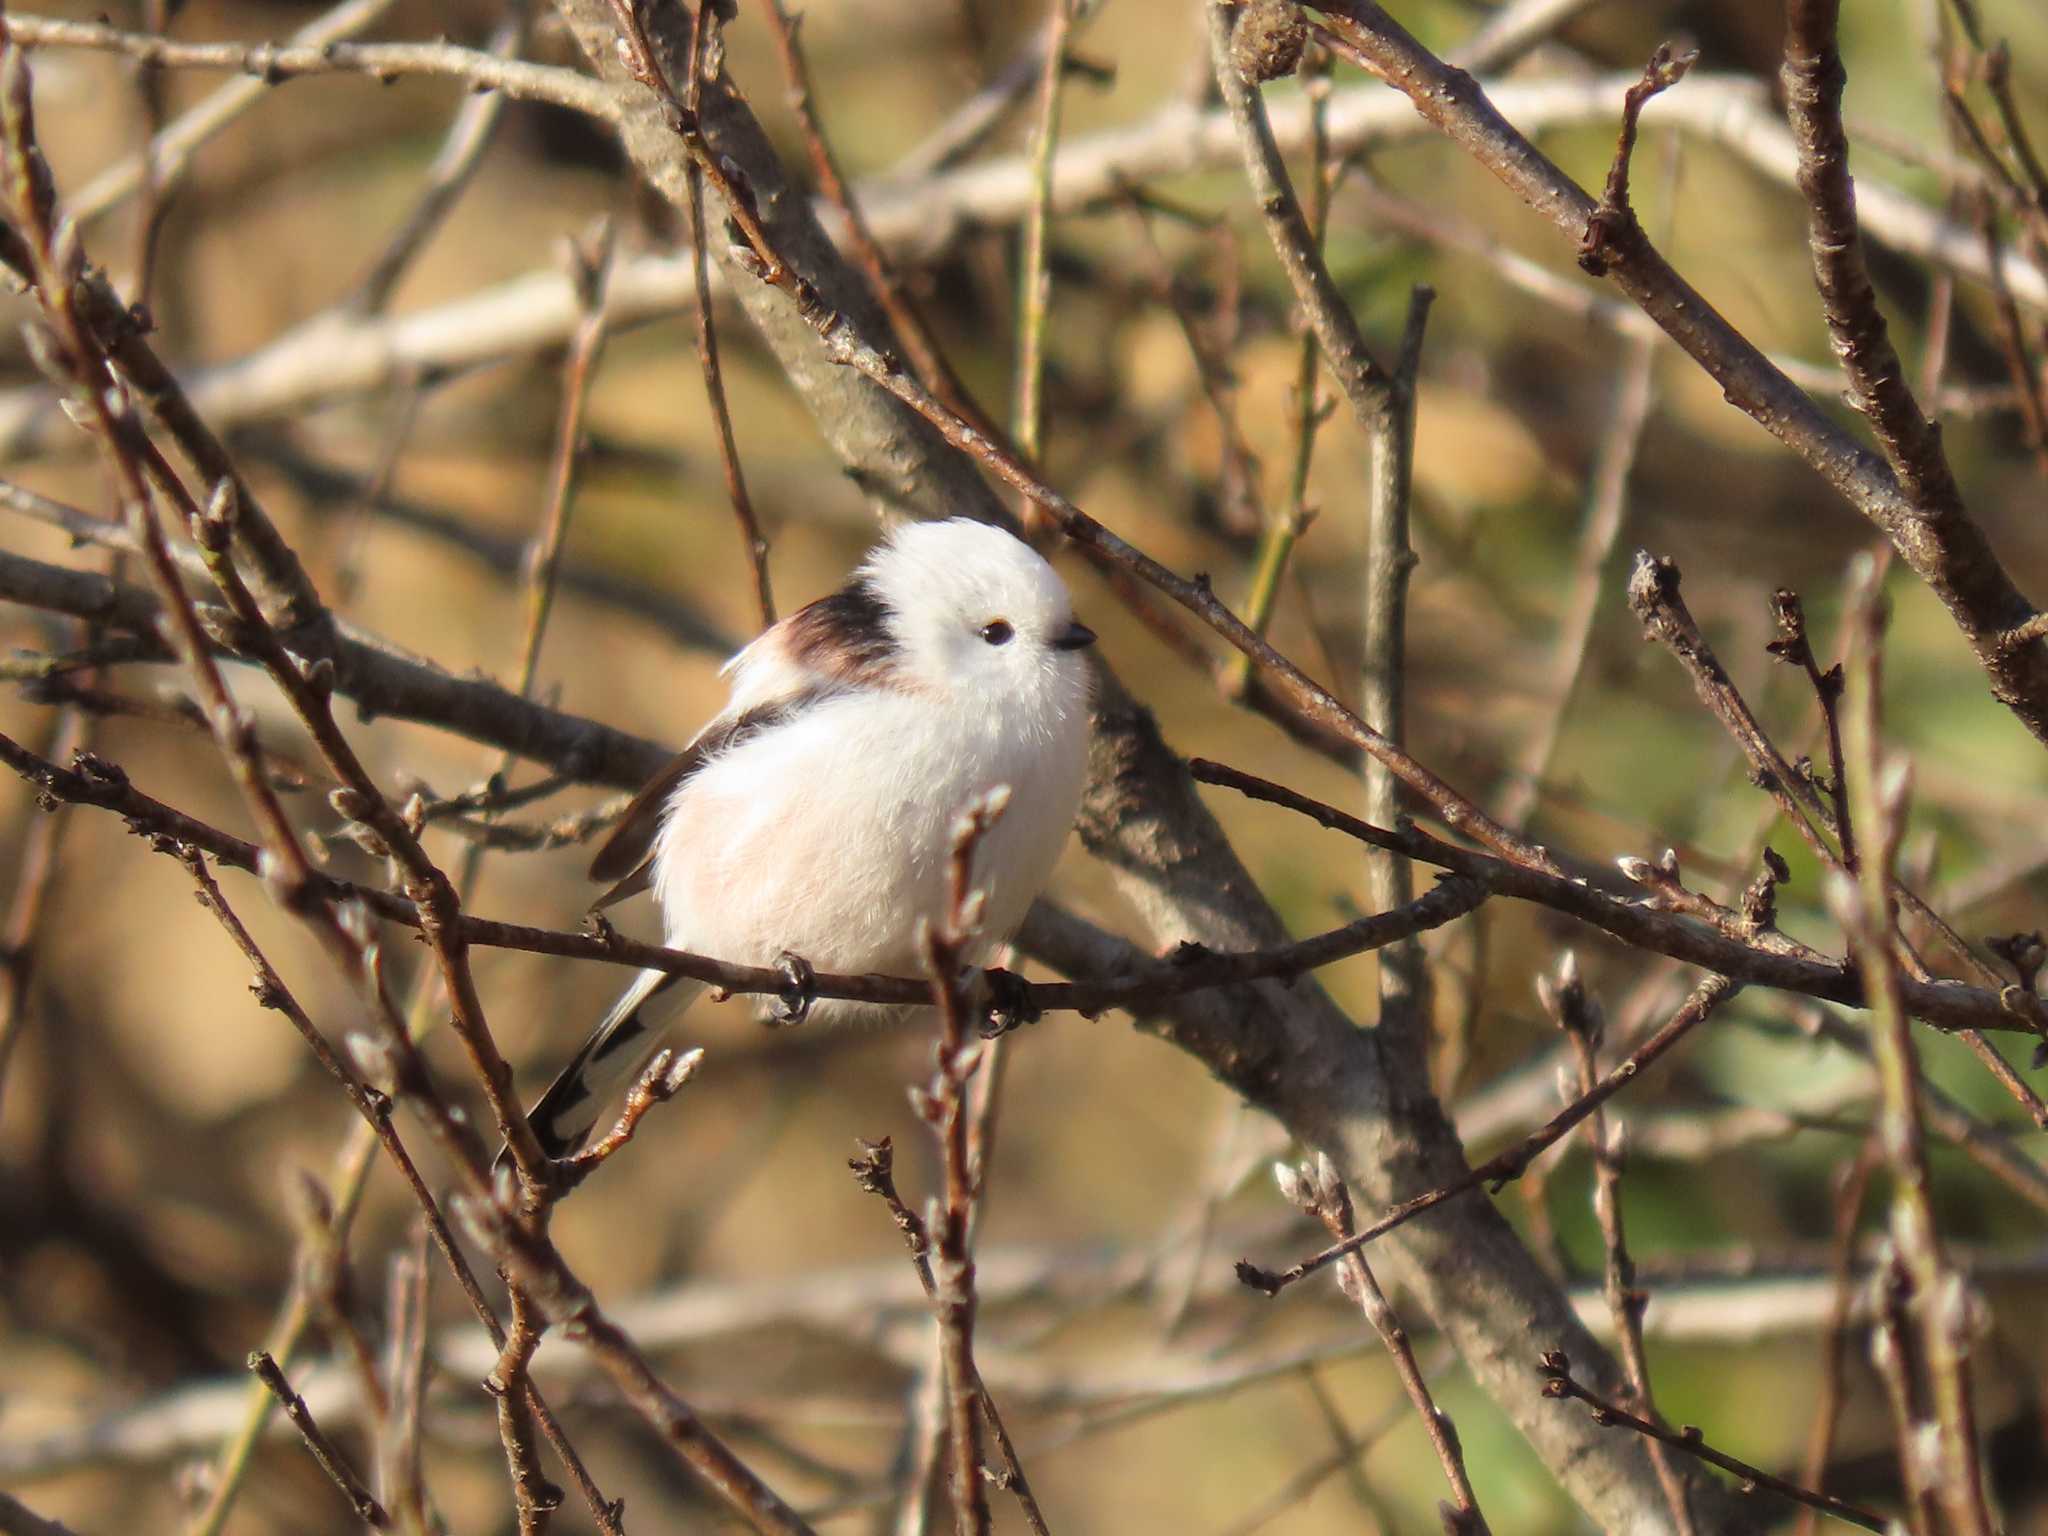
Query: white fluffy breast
[[828, 834]]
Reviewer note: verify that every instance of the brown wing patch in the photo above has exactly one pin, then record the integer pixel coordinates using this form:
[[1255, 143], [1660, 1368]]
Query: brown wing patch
[[627, 853], [844, 638]]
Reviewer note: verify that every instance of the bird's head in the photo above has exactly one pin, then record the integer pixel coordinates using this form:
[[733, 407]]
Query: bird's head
[[977, 614]]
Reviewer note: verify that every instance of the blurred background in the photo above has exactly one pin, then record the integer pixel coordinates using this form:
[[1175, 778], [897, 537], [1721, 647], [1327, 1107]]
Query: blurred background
[[156, 1121]]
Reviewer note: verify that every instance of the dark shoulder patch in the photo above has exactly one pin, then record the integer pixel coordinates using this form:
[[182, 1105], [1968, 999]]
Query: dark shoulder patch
[[845, 637]]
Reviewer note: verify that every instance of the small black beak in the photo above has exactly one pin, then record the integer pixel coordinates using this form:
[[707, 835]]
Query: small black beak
[[1073, 638]]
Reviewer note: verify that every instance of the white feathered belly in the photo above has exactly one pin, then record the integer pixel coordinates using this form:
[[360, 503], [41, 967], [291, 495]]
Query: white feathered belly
[[829, 837]]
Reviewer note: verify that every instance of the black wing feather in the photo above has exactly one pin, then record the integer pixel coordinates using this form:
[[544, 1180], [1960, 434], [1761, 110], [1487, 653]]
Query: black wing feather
[[627, 852]]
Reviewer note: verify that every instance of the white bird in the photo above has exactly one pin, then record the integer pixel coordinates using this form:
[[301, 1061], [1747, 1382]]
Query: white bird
[[813, 817]]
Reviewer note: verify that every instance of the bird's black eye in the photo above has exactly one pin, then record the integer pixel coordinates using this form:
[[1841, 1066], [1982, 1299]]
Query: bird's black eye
[[997, 632]]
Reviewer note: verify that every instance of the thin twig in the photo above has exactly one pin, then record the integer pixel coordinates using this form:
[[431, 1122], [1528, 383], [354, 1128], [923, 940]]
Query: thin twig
[[164, 160], [751, 537], [1653, 592], [1285, 528], [1558, 1382], [1906, 1393], [534, 1498], [365, 1505], [1924, 521], [943, 1107], [659, 1081], [1319, 1191], [322, 1272], [538, 1269], [702, 38], [2012, 340], [1638, 923], [1813, 78], [1034, 275], [1576, 1013], [271, 992], [1851, 1185], [1998, 78], [274, 63], [1505, 1167], [1351, 361], [590, 260], [455, 163], [925, 354], [1940, 1304], [34, 873], [1606, 509], [151, 201], [1614, 219], [873, 1170], [1240, 476]]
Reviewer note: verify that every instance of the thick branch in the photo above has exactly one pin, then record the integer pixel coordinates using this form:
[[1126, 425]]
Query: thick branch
[[1813, 78]]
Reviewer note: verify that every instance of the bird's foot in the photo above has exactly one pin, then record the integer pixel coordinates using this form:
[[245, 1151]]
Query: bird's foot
[[1010, 1004], [793, 1004]]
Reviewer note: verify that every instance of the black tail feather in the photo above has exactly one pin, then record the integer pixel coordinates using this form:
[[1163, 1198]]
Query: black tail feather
[[564, 1116]]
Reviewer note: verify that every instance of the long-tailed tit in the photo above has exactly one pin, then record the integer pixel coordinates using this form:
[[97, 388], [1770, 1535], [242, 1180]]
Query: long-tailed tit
[[813, 817]]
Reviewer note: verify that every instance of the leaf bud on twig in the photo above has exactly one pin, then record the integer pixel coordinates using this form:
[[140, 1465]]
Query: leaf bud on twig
[[1267, 40]]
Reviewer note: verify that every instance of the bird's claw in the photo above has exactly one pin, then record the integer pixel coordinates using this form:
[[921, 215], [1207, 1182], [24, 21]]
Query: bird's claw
[[793, 1004], [1010, 1004]]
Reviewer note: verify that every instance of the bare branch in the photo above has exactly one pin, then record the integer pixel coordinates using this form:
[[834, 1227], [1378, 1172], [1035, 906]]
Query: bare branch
[[1934, 1294], [274, 63], [1505, 1167], [1558, 1382], [566, 1303], [367, 1509], [1565, 999], [469, 137], [337, 355], [1813, 78], [1942, 545], [1321, 1193], [164, 160], [1944, 1004]]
